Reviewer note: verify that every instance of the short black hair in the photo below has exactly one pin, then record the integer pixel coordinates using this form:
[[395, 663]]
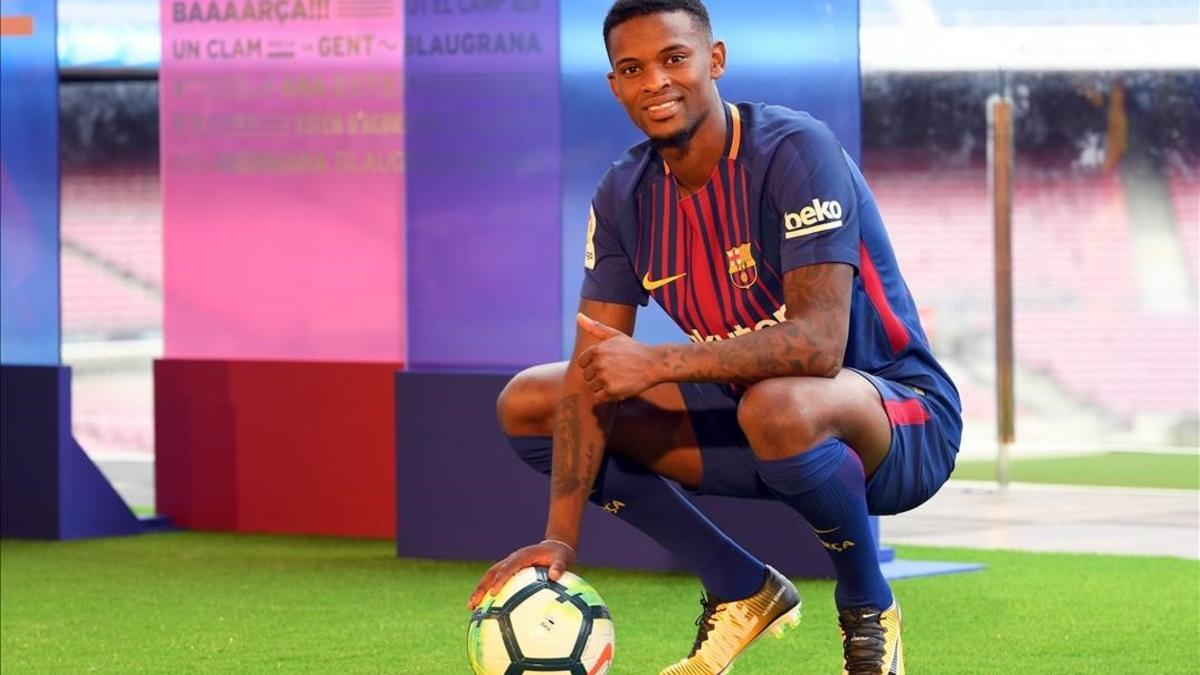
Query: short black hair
[[624, 10]]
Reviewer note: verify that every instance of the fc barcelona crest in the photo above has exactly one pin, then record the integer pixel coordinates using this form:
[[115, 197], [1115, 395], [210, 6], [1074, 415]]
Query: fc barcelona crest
[[742, 269]]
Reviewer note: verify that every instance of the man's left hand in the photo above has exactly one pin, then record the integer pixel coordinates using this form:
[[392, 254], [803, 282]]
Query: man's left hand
[[619, 367]]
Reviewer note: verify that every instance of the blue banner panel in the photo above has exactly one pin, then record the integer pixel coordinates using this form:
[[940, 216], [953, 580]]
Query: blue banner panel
[[50, 489], [482, 115], [29, 296], [802, 54]]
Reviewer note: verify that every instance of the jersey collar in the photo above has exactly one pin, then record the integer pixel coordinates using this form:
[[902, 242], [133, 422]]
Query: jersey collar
[[733, 130], [733, 135]]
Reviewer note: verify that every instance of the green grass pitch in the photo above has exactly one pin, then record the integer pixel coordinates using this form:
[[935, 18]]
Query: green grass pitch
[[205, 603], [1117, 469]]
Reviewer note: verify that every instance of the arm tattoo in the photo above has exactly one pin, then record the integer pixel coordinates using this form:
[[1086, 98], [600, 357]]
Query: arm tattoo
[[566, 448], [813, 343], [573, 456]]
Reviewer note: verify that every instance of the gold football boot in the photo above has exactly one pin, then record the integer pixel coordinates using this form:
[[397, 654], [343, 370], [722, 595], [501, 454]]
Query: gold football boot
[[728, 627]]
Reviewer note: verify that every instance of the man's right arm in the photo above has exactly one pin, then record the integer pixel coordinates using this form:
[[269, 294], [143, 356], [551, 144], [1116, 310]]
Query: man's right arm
[[580, 433], [581, 429]]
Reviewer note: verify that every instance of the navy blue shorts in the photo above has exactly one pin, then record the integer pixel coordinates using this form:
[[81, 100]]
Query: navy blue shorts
[[925, 437]]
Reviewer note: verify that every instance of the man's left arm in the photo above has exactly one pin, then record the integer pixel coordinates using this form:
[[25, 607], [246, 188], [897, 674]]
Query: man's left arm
[[810, 343]]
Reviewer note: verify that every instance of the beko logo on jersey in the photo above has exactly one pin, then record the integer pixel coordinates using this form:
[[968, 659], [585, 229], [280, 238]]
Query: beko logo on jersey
[[818, 217]]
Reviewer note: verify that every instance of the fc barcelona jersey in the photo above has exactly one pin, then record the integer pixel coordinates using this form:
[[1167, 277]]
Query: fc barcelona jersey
[[784, 194]]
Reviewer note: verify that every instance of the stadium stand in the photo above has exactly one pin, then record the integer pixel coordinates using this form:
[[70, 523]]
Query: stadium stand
[[1076, 318], [116, 214], [1185, 199], [112, 254], [1122, 362], [938, 220]]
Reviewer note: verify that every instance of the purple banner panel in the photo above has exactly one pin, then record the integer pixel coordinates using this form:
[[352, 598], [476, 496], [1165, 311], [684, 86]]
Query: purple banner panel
[[283, 172], [29, 307], [483, 183], [456, 474]]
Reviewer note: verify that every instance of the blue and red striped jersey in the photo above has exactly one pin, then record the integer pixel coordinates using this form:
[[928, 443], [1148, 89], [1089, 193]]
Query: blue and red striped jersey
[[784, 194]]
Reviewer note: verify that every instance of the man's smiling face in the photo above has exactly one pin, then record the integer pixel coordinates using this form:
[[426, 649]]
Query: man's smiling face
[[664, 68]]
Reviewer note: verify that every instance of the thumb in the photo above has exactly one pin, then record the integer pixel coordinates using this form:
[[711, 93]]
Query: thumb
[[557, 567], [595, 328]]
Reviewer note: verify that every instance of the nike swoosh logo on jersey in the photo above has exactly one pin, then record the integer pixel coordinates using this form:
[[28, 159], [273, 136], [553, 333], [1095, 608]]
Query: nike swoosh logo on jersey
[[655, 285]]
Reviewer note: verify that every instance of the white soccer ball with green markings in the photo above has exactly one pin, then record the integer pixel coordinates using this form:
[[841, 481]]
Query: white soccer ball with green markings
[[534, 625]]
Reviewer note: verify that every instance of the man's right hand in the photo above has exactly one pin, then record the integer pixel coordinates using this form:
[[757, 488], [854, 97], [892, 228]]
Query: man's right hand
[[554, 555]]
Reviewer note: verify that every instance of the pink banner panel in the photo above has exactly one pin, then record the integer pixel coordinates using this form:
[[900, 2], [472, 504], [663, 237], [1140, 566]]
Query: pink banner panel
[[282, 134]]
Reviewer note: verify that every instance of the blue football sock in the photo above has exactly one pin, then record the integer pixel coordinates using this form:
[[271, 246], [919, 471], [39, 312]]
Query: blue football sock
[[827, 486], [653, 505]]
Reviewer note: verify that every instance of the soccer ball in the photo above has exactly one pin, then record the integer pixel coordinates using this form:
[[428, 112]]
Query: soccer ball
[[534, 625]]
